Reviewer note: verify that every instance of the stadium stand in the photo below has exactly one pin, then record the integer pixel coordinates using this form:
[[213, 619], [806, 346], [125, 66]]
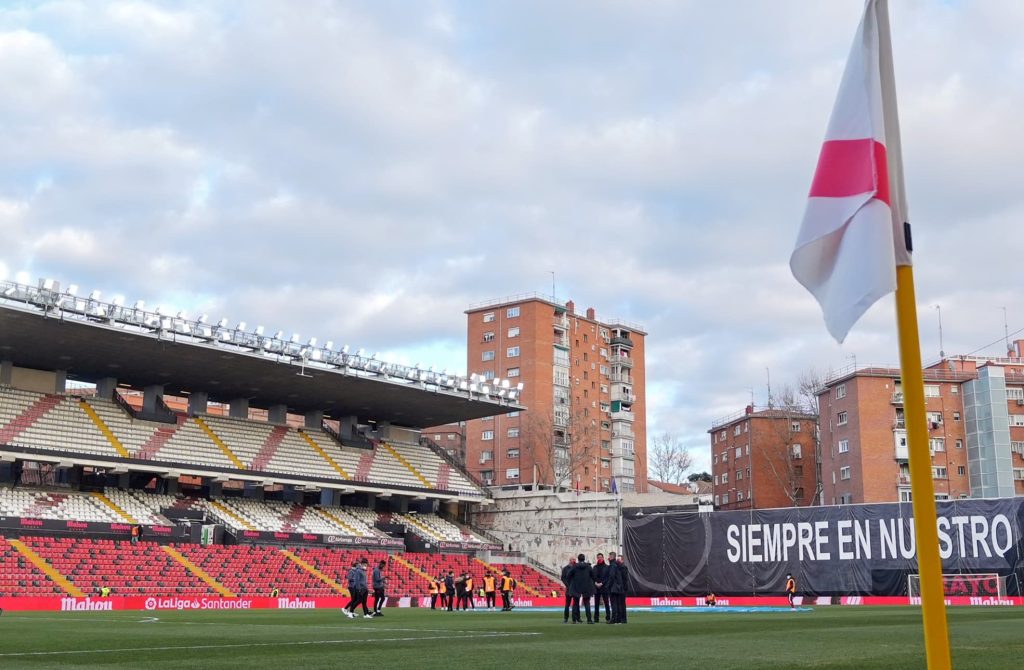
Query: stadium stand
[[19, 577], [433, 527]]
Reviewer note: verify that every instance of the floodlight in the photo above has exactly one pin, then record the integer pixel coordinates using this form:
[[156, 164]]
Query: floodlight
[[240, 326], [73, 289], [279, 335], [496, 381], [473, 387], [485, 389], [9, 291], [160, 310], [165, 323], [330, 345], [140, 305], [502, 392], [312, 341], [223, 323], [504, 384], [118, 301], [48, 284], [360, 352], [463, 385], [295, 338], [344, 349], [181, 315], [259, 331], [375, 355], [95, 295], [203, 318], [519, 386]]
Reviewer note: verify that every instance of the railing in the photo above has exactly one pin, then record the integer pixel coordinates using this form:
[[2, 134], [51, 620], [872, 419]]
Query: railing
[[897, 398], [899, 424], [561, 321], [624, 361], [355, 442], [623, 416], [447, 458], [622, 341], [162, 413], [903, 480], [930, 374], [533, 295]]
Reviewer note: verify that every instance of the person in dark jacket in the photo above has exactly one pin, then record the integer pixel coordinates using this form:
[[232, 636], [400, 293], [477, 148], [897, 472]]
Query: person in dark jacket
[[357, 588], [449, 587], [618, 590], [380, 581], [582, 586], [600, 573], [610, 579], [566, 580]]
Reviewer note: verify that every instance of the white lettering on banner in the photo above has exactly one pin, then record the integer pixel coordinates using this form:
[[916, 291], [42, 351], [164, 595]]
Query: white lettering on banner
[[667, 602], [295, 604], [197, 604], [962, 536], [87, 605]]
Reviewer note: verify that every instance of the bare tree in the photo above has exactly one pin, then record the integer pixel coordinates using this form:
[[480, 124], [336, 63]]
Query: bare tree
[[790, 408], [668, 459], [565, 443]]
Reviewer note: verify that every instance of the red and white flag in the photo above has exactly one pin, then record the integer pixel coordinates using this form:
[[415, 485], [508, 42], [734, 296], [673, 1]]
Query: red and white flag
[[852, 236]]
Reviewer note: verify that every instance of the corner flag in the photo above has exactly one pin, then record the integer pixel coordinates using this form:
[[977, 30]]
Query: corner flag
[[854, 247], [852, 234]]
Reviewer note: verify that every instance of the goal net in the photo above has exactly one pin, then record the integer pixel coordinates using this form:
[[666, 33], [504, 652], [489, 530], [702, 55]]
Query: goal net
[[978, 585]]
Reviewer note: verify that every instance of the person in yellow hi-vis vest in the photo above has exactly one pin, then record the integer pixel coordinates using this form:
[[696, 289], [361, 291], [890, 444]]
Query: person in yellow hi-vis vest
[[791, 590], [508, 585], [489, 589], [469, 593], [435, 589]]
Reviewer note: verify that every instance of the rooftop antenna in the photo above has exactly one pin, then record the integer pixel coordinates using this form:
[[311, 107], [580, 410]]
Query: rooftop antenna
[[552, 273], [1006, 332], [942, 350], [768, 375]]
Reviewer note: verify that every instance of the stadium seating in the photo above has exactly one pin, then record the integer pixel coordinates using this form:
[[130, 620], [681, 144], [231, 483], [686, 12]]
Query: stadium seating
[[57, 506], [18, 577], [248, 570], [92, 425], [432, 527], [140, 569]]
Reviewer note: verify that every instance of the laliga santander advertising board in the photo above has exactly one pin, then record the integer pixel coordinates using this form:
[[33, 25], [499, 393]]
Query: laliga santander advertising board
[[213, 603]]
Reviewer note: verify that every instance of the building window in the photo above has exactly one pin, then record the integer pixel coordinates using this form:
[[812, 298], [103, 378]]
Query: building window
[[487, 356], [939, 472], [841, 418], [748, 450], [488, 317], [959, 444], [961, 470], [513, 432], [956, 415], [739, 496], [514, 331], [714, 460], [511, 313], [905, 495], [737, 429], [796, 450], [739, 452], [486, 456], [844, 446], [488, 374], [512, 473], [794, 426], [844, 472], [935, 419], [516, 413], [489, 336], [725, 456], [931, 390], [717, 503], [716, 480], [725, 477], [840, 391], [725, 498], [739, 474], [1017, 419], [1014, 393], [451, 436], [512, 453], [512, 372], [512, 352], [487, 435], [937, 444]]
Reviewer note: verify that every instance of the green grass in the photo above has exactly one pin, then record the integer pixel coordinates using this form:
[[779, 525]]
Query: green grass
[[828, 637]]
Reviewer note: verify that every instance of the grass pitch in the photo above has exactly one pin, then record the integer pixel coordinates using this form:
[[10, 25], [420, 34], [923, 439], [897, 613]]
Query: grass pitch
[[828, 637]]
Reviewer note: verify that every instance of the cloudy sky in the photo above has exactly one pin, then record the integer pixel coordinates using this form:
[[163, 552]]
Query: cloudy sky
[[363, 171]]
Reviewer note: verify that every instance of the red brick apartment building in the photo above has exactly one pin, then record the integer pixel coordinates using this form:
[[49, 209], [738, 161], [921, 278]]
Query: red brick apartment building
[[975, 415], [583, 384], [764, 458]]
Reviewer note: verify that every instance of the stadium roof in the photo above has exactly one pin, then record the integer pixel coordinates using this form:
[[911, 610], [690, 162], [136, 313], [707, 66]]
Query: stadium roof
[[91, 348]]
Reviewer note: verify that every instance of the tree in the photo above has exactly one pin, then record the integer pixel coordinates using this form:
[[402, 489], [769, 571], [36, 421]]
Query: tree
[[564, 443], [667, 459], [699, 477], [788, 410]]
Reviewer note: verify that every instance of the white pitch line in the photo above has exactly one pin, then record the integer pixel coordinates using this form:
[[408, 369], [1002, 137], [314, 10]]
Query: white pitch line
[[259, 644]]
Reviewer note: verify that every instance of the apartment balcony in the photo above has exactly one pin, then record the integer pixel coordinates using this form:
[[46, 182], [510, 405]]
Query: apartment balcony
[[623, 416], [903, 480], [621, 378], [897, 398], [623, 394], [622, 341], [623, 430], [561, 322], [899, 424], [622, 361], [902, 452]]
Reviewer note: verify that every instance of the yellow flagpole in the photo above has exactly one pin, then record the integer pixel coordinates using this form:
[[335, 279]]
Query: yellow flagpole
[[929, 563]]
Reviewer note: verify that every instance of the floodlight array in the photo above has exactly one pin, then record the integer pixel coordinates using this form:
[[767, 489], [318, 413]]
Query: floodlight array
[[67, 304]]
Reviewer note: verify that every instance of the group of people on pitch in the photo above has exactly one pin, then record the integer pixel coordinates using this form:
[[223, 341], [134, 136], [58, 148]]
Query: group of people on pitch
[[602, 581], [358, 583], [456, 593]]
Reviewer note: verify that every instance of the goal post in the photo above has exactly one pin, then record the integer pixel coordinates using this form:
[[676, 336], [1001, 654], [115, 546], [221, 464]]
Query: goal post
[[981, 584]]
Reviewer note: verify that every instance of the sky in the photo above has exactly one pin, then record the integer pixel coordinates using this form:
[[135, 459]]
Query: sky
[[362, 172]]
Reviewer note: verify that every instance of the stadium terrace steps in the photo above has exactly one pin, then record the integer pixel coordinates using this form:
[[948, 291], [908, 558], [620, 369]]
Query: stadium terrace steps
[[413, 568], [222, 509], [270, 447], [198, 572], [311, 569], [45, 567], [401, 459], [151, 448], [497, 570], [20, 577], [335, 518], [225, 449], [320, 451], [27, 417], [443, 474], [103, 428], [112, 505], [365, 464]]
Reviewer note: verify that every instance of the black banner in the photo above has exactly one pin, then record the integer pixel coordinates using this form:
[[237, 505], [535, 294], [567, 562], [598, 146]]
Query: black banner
[[836, 550], [91, 528], [263, 536]]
